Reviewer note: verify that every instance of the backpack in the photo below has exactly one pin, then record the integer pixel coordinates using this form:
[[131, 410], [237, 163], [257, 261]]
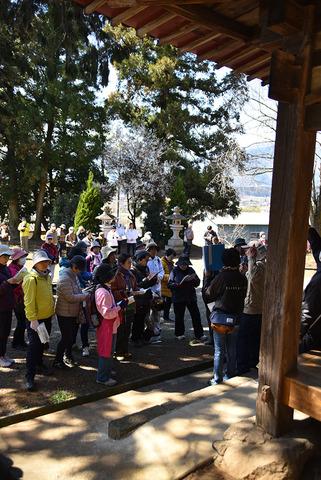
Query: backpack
[[94, 316]]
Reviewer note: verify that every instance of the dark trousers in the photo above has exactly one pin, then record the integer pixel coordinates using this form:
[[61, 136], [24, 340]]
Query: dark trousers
[[19, 333], [35, 349], [131, 248], [248, 342], [5, 327], [210, 330], [179, 310], [123, 334], [142, 311], [67, 326], [187, 247], [83, 334], [167, 307], [121, 246]]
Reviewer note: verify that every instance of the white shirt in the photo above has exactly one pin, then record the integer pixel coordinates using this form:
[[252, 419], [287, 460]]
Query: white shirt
[[131, 235], [155, 266], [112, 238], [121, 232]]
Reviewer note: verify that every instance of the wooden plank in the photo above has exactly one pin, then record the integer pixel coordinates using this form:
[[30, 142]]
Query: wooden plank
[[217, 52], [199, 42], [126, 15], [148, 27], [178, 33], [238, 55], [285, 17], [262, 73], [252, 64], [283, 66], [300, 396], [92, 6], [289, 214], [213, 20]]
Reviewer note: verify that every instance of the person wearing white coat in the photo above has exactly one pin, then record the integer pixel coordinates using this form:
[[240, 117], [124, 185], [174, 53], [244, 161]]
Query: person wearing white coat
[[131, 235], [156, 268]]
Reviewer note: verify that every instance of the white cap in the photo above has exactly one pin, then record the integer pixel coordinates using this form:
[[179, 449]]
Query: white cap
[[40, 256]]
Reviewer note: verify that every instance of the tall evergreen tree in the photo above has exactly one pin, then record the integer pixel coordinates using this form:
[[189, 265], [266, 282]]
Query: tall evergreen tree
[[89, 206]]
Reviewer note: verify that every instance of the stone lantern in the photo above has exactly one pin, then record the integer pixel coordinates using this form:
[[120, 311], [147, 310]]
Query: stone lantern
[[176, 226], [107, 220]]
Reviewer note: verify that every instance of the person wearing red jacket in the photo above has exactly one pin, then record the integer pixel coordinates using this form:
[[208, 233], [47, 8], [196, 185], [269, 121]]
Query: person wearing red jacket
[[18, 257], [52, 251]]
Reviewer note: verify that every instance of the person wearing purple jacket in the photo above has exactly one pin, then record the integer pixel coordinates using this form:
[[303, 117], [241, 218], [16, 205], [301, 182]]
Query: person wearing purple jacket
[[7, 284]]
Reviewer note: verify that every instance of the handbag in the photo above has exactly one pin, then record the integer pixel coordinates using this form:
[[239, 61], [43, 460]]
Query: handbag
[[225, 319]]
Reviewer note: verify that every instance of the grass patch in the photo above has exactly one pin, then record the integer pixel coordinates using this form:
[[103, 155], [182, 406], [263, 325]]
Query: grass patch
[[60, 396]]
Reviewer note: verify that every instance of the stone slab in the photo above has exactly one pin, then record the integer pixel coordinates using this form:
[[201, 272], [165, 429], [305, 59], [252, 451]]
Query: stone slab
[[74, 443]]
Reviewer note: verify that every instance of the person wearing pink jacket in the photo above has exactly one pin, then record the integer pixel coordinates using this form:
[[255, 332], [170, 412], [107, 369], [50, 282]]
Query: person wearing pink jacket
[[108, 313]]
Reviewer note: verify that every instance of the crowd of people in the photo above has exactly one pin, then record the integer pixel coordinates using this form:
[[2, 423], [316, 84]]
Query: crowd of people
[[125, 292]]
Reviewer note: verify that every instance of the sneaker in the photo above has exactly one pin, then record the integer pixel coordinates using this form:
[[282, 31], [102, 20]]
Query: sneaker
[[155, 340], [70, 362], [195, 341], [110, 383], [127, 356], [180, 337], [85, 352], [203, 338], [213, 382], [30, 386], [11, 360], [120, 357], [4, 362]]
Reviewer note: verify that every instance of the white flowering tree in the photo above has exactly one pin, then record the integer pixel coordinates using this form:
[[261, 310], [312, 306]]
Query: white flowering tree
[[134, 161]]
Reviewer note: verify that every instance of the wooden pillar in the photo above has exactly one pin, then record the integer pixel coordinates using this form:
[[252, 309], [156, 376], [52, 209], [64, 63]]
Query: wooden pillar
[[290, 202]]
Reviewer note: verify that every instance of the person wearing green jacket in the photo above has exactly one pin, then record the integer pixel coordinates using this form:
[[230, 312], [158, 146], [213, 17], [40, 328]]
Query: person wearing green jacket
[[39, 308]]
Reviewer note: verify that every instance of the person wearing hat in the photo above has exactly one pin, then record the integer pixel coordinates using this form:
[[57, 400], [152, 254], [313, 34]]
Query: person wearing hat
[[68, 307], [143, 302], [61, 232], [18, 261], [238, 245], [52, 251], [24, 230], [140, 245], [39, 308], [7, 285], [109, 316], [183, 282], [228, 291], [95, 257], [249, 335], [71, 239], [156, 269], [81, 233], [168, 265], [109, 255], [53, 231]]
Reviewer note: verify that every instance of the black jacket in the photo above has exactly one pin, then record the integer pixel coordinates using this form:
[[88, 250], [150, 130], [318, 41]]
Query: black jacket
[[141, 273], [228, 291], [186, 292]]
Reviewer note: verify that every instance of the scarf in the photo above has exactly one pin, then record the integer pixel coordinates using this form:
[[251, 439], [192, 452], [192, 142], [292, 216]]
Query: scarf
[[41, 274]]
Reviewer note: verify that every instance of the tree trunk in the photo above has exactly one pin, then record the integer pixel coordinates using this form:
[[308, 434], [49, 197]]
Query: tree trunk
[[13, 202], [13, 219]]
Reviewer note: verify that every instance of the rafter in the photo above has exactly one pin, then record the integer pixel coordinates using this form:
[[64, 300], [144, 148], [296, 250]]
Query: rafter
[[213, 20], [199, 41], [123, 16], [148, 27], [219, 51], [178, 33], [237, 56], [251, 64], [91, 7], [261, 73]]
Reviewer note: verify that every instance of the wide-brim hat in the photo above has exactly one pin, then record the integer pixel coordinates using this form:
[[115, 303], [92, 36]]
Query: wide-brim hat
[[95, 244], [140, 254], [63, 226], [183, 260], [239, 242], [4, 250], [107, 250], [18, 253], [151, 245], [40, 256]]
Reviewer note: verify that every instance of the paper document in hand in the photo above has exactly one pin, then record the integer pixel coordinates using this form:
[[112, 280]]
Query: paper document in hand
[[187, 278], [131, 300], [43, 333], [19, 276]]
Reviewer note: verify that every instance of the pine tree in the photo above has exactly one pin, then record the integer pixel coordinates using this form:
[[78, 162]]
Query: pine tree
[[88, 207]]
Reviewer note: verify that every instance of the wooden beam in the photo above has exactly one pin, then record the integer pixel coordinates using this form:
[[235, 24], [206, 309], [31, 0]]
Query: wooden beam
[[220, 51], [289, 215], [92, 6], [252, 64], [283, 65], [178, 33], [213, 20], [312, 120], [123, 16], [199, 42], [285, 17], [148, 27], [237, 56], [263, 73]]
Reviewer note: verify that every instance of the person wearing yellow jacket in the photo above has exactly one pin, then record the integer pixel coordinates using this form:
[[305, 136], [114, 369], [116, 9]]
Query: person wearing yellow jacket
[[24, 230], [39, 308], [168, 265]]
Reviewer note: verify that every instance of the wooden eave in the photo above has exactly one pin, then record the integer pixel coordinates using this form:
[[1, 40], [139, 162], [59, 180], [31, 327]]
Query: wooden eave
[[227, 32]]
